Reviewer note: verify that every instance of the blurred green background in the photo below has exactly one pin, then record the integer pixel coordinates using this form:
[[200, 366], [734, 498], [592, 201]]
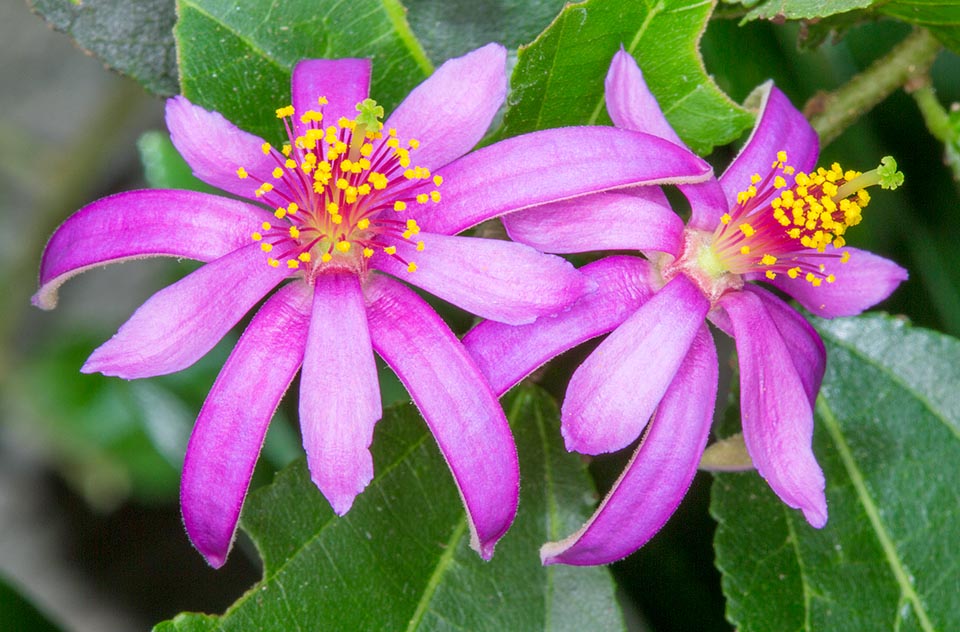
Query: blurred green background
[[89, 524]]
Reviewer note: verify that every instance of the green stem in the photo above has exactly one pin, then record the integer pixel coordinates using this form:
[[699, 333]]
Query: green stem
[[936, 118], [838, 110]]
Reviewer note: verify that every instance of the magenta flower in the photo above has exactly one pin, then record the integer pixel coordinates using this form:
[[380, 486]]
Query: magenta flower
[[656, 374], [341, 210]]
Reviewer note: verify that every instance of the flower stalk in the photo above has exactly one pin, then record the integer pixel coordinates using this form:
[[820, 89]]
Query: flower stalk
[[830, 114]]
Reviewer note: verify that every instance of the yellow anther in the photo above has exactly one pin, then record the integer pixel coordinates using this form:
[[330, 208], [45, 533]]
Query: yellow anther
[[343, 246], [342, 183], [781, 156], [265, 148], [390, 250], [793, 273], [280, 213], [242, 173], [420, 246], [294, 232], [725, 218], [747, 230], [779, 182], [290, 163], [322, 100], [411, 267], [770, 274], [399, 206], [273, 263], [285, 112], [293, 208], [266, 187], [831, 278], [326, 257], [435, 196], [363, 224], [266, 247], [256, 236], [745, 250], [437, 180], [366, 149], [367, 252], [336, 219], [768, 260], [755, 178], [422, 198], [278, 172], [286, 150], [333, 208], [414, 143], [266, 226], [293, 264], [304, 257]]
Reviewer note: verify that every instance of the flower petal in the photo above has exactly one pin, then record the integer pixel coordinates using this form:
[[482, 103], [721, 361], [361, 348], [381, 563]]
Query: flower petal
[[630, 103], [779, 127], [463, 415], [613, 393], [500, 280], [776, 412], [505, 354], [802, 340], [215, 148], [182, 322], [339, 391], [605, 221], [451, 111], [139, 224], [862, 282], [660, 472], [343, 82], [708, 203], [553, 165], [229, 432]]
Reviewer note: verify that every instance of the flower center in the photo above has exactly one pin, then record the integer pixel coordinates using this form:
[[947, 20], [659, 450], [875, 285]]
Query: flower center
[[340, 192]]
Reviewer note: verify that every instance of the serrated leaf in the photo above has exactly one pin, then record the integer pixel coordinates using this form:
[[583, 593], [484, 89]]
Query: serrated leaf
[[941, 18], [449, 28], [134, 38], [401, 559], [888, 438], [802, 9], [558, 79], [236, 57]]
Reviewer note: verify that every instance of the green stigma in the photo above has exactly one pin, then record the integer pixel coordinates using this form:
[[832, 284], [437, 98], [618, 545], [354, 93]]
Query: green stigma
[[370, 115], [890, 178]]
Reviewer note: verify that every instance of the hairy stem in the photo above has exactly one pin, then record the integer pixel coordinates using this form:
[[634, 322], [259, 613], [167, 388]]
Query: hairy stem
[[832, 113]]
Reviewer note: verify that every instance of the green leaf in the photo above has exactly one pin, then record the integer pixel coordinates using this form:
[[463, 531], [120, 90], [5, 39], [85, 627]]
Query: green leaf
[[17, 613], [450, 28], [888, 438], [801, 9], [134, 38], [559, 78], [941, 18], [236, 57], [401, 558]]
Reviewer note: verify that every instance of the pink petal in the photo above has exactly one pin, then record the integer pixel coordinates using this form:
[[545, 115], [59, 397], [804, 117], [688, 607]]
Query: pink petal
[[779, 126], [630, 103], [456, 403], [229, 432], [616, 389], [605, 221], [505, 354], [344, 83], [181, 323], [215, 148], [451, 111], [862, 282], [660, 472], [776, 412], [553, 165], [708, 203], [802, 340], [500, 280], [339, 391], [140, 224]]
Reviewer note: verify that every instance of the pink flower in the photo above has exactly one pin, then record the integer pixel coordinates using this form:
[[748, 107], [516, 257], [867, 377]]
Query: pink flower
[[341, 211], [764, 219]]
